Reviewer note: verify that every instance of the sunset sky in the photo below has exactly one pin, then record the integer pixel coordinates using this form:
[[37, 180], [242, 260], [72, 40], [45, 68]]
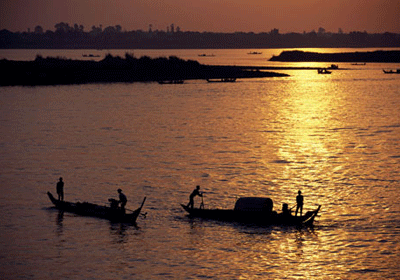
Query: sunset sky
[[373, 16]]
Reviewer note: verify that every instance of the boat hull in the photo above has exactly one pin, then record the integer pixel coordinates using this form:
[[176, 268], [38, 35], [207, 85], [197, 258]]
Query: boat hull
[[324, 71], [223, 80], [391, 71], [262, 218], [94, 210]]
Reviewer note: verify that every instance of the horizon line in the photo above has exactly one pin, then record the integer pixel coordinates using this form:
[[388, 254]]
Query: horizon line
[[178, 30]]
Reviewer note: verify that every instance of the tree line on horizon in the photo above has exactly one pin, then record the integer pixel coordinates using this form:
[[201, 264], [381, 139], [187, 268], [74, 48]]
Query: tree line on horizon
[[113, 37], [115, 69]]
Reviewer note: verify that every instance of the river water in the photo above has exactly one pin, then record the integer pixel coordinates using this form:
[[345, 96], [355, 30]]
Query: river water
[[335, 137]]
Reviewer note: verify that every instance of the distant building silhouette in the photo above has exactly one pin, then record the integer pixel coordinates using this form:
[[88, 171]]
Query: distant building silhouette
[[112, 37]]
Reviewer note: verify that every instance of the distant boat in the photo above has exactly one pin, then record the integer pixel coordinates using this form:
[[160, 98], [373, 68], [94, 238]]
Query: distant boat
[[391, 71], [90, 55], [203, 54], [359, 63], [223, 80], [333, 66], [323, 71], [171, 82], [254, 53]]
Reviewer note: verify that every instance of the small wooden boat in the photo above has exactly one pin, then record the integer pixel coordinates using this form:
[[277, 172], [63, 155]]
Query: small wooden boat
[[223, 80], [254, 53], [171, 82], [255, 210], [112, 213], [391, 71], [90, 55], [323, 71]]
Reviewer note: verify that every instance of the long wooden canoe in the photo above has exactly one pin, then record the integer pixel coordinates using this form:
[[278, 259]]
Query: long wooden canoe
[[94, 210]]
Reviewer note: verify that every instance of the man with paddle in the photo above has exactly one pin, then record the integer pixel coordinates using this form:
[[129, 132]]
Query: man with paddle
[[195, 192]]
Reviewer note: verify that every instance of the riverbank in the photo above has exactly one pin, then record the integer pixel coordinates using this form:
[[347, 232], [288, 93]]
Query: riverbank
[[375, 56], [113, 69]]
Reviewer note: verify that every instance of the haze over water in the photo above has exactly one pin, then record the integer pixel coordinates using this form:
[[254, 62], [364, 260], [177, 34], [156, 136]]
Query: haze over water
[[335, 137]]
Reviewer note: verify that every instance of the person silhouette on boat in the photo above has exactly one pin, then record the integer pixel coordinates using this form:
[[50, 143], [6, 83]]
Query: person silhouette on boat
[[299, 201], [195, 192], [60, 189], [286, 212], [122, 199]]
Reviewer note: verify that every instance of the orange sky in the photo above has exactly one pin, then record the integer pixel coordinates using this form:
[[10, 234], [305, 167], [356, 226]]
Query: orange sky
[[373, 16]]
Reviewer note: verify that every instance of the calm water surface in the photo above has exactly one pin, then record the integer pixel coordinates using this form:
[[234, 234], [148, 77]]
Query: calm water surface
[[335, 137]]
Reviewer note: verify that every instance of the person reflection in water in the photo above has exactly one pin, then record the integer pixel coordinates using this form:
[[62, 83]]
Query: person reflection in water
[[122, 199], [60, 189], [195, 192], [299, 201]]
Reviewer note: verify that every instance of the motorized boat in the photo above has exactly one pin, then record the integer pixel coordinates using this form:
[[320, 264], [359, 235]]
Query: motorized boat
[[112, 212], [255, 210]]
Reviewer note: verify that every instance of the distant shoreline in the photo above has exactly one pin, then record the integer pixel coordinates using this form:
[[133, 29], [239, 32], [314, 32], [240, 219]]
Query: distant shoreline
[[375, 56], [114, 37], [60, 71]]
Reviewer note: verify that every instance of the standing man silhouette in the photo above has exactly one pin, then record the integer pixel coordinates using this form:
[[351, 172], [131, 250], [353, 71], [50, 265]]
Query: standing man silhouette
[[60, 189], [299, 200], [195, 192], [122, 199]]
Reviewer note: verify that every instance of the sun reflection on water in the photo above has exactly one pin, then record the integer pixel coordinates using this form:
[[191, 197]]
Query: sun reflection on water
[[303, 143]]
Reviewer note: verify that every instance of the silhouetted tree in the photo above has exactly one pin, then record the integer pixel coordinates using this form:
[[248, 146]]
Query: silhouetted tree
[[62, 27], [38, 30]]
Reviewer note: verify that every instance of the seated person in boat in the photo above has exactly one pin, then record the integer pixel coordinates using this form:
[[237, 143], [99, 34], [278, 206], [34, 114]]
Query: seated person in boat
[[286, 212], [195, 192], [122, 199]]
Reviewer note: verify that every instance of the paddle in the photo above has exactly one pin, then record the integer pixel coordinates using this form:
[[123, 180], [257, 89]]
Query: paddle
[[141, 206], [202, 201]]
